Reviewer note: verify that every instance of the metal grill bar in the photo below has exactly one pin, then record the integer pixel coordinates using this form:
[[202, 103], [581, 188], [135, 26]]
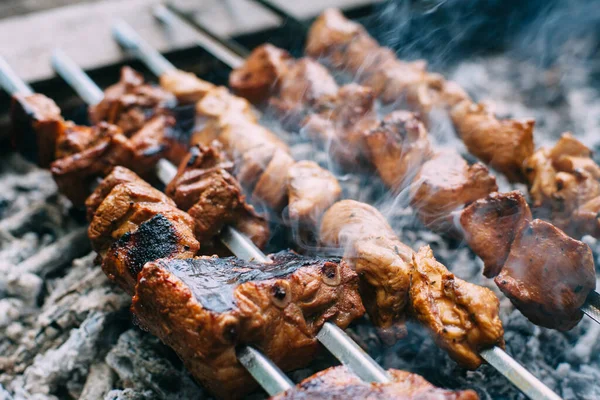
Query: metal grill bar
[[495, 356], [340, 345]]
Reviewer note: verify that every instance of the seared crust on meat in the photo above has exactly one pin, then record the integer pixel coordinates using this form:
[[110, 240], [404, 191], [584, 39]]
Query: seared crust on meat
[[213, 197], [340, 383], [271, 187], [117, 176], [446, 184], [462, 317], [548, 275], [186, 86], [564, 184], [277, 308], [490, 226], [398, 147], [503, 144], [36, 126], [312, 190]]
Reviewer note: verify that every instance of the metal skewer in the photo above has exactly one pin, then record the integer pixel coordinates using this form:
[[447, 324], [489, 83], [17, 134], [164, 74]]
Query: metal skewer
[[496, 357], [331, 336]]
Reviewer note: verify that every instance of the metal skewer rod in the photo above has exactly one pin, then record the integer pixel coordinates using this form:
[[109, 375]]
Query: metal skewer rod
[[267, 374], [331, 336], [11, 82], [496, 357]]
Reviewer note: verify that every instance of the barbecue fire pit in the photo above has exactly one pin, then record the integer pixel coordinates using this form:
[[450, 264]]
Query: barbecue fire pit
[[417, 191]]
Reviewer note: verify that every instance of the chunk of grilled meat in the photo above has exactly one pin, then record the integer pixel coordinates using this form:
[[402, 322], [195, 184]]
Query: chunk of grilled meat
[[564, 184], [445, 185], [490, 226], [396, 282], [546, 274], [205, 308], [503, 144], [205, 188], [36, 126], [272, 185], [398, 147], [261, 73], [339, 122], [463, 317], [372, 249], [340, 383], [131, 102], [116, 176], [312, 190], [185, 86]]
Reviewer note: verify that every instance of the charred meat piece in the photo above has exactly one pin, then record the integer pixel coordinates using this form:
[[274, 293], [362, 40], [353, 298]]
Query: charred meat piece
[[261, 73], [490, 226], [131, 102], [185, 86], [462, 317], [339, 123], [221, 106], [300, 87], [372, 249], [312, 190], [548, 275], [36, 126], [398, 147], [205, 308], [446, 184], [564, 184], [340, 383], [76, 138], [396, 282], [117, 176], [213, 197], [503, 144], [151, 143]]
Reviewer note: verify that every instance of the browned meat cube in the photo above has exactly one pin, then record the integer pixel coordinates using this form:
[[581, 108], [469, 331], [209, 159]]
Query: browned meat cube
[[213, 197], [564, 183], [36, 126], [373, 250], [339, 123], [503, 144], [340, 383], [271, 187], [151, 143], [300, 87], [445, 185], [398, 147], [393, 80], [130, 102], [311, 190], [261, 72], [117, 176], [185, 86], [463, 317], [206, 308], [490, 226], [548, 275], [220, 105], [76, 138], [434, 92]]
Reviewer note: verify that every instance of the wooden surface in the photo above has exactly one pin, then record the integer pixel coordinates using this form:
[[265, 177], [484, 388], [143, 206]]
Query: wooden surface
[[28, 37]]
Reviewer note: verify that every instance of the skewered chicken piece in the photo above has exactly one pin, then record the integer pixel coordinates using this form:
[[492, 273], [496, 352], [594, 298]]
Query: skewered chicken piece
[[340, 383], [344, 44], [397, 282], [564, 184], [545, 273]]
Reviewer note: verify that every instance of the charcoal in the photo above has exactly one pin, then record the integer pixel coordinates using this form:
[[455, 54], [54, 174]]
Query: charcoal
[[98, 383], [129, 394]]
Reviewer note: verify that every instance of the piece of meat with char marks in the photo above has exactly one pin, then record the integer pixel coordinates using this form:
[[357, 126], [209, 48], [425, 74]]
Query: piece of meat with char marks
[[564, 184], [117, 175], [185, 86], [260, 75], [373, 250], [206, 308], [340, 383], [503, 144], [548, 275], [490, 226], [213, 197], [339, 123], [398, 147], [462, 317], [130, 102], [304, 83], [445, 185], [36, 125], [311, 190]]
